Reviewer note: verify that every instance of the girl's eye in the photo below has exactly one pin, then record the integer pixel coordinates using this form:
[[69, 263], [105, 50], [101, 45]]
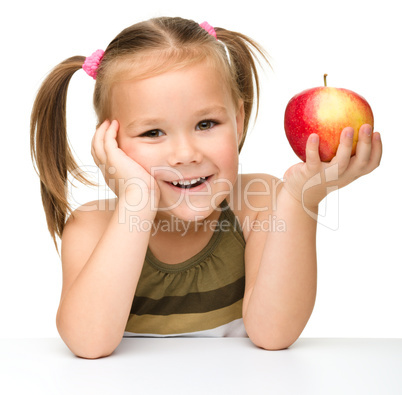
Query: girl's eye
[[205, 125], [152, 133]]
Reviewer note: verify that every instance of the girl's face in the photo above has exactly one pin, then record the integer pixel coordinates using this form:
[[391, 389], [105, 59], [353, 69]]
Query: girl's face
[[182, 127]]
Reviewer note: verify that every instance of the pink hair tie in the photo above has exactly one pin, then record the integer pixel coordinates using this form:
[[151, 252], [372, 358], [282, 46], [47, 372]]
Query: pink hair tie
[[206, 26], [92, 62]]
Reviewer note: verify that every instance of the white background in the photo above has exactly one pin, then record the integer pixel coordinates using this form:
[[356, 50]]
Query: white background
[[358, 43]]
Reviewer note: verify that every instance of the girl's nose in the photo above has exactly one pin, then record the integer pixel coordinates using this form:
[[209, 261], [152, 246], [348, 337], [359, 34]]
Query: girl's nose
[[184, 151]]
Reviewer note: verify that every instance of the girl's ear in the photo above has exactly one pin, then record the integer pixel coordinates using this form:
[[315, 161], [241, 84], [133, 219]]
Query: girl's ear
[[240, 121]]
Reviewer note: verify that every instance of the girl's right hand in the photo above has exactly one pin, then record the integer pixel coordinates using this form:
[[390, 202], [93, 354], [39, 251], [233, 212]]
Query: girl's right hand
[[122, 174]]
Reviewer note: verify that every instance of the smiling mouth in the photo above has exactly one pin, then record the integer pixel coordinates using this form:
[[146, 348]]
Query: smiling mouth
[[188, 184]]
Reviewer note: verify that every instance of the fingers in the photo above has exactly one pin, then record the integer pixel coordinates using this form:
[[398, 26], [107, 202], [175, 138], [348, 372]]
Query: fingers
[[313, 160], [363, 147], [97, 146], [110, 137], [376, 152], [104, 141], [368, 150], [344, 150]]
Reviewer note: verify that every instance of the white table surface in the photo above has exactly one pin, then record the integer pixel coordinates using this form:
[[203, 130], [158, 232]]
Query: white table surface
[[204, 366]]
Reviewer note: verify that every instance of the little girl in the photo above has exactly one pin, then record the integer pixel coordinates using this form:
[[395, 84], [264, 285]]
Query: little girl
[[186, 247]]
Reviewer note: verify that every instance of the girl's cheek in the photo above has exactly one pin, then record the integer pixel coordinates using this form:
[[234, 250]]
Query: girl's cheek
[[138, 153], [130, 151], [126, 145]]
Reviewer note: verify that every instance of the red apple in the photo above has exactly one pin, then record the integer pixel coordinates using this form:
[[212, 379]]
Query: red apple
[[325, 111]]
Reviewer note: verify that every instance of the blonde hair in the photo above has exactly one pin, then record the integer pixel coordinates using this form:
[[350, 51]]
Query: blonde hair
[[145, 49]]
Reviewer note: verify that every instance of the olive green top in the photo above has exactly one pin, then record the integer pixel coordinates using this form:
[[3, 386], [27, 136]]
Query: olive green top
[[201, 296]]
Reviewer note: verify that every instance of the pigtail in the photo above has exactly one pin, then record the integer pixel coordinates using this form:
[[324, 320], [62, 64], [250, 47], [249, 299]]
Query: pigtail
[[243, 52], [50, 151]]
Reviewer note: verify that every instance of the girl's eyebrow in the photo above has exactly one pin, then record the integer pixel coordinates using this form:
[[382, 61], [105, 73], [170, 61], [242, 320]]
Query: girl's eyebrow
[[210, 110], [144, 122], [214, 109]]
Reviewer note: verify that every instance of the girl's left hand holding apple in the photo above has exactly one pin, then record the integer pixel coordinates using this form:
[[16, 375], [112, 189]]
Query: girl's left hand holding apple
[[309, 182]]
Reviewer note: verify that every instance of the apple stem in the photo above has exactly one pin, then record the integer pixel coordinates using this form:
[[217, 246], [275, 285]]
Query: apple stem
[[325, 79]]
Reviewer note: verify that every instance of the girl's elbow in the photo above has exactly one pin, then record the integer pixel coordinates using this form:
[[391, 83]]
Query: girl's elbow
[[91, 353], [272, 340], [270, 344], [93, 347], [93, 350]]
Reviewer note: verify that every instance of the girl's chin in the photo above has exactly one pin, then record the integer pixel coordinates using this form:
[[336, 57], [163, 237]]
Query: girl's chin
[[186, 214]]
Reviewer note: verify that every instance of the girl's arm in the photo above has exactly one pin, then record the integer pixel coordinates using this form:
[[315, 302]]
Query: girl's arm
[[102, 263], [281, 273], [103, 253], [280, 292]]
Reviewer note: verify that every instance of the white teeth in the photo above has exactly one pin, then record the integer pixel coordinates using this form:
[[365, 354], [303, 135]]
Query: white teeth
[[189, 182]]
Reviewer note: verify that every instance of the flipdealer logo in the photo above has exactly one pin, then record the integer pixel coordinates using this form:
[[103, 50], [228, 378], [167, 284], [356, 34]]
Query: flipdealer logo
[[327, 216], [269, 224]]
